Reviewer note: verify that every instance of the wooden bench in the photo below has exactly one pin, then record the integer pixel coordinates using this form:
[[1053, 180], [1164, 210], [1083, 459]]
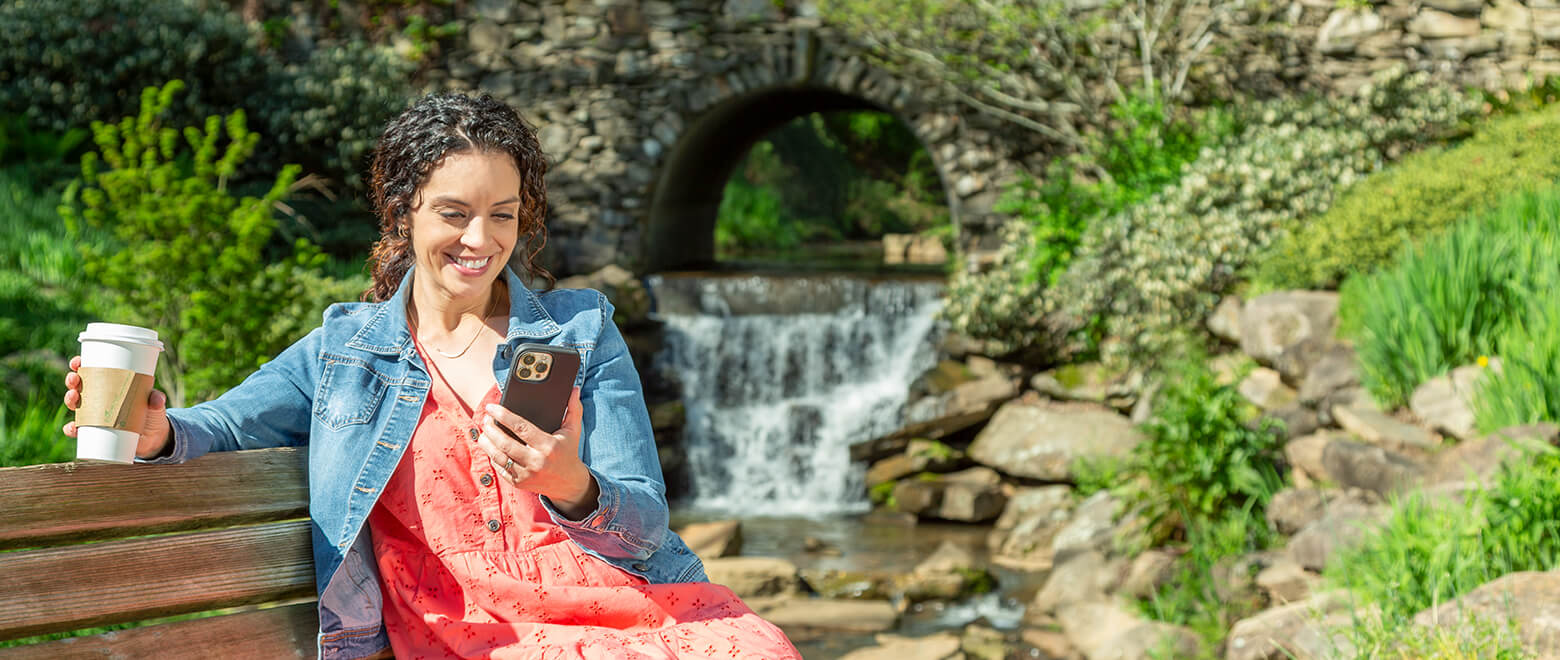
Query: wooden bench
[[85, 545]]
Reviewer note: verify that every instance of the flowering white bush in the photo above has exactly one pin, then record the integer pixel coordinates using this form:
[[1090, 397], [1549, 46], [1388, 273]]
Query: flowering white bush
[[1161, 264]]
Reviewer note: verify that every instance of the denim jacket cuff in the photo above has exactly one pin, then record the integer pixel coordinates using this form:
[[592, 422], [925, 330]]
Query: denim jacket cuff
[[181, 435], [607, 504]]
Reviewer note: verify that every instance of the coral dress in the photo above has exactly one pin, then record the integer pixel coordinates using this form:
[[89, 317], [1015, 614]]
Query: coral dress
[[473, 567]]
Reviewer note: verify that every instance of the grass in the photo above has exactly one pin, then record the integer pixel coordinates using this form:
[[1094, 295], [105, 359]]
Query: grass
[[1191, 598]]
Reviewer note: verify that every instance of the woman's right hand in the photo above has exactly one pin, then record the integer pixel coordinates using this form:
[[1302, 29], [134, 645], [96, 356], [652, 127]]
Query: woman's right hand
[[155, 430]]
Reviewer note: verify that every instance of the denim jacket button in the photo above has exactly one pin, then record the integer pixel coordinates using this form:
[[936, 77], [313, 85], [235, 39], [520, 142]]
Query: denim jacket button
[[487, 480], [493, 525], [475, 433], [641, 567]]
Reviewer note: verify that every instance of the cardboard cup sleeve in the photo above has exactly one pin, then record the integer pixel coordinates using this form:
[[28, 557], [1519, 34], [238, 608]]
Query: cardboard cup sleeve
[[113, 398]]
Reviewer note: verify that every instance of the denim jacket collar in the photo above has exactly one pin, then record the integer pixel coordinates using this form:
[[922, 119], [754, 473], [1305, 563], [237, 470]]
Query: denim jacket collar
[[387, 333]]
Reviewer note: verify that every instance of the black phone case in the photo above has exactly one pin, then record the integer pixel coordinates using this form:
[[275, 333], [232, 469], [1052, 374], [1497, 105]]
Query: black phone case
[[542, 402]]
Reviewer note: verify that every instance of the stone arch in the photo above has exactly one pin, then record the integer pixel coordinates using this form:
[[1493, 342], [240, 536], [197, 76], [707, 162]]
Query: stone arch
[[721, 117]]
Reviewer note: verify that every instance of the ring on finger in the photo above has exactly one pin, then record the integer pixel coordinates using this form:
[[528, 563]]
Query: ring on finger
[[509, 466]]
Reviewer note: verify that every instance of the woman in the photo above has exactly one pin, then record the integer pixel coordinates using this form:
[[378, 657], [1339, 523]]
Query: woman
[[445, 525]]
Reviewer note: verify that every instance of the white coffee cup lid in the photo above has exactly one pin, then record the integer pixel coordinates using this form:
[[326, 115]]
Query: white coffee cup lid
[[121, 333]]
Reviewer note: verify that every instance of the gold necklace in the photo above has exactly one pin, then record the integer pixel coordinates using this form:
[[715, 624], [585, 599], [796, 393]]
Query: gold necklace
[[486, 312]]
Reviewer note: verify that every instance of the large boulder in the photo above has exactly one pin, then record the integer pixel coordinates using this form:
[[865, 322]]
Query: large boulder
[[1370, 467], [951, 572], [1104, 630], [1526, 604], [1477, 461], [1445, 403], [1224, 322], [1022, 536], [713, 540], [969, 495], [1039, 440], [1337, 369], [1379, 428], [1092, 527], [1297, 631], [1347, 524], [1082, 577], [1289, 330], [754, 577], [940, 415], [1090, 382]]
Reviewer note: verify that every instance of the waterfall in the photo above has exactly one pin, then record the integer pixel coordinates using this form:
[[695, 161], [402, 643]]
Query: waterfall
[[780, 375]]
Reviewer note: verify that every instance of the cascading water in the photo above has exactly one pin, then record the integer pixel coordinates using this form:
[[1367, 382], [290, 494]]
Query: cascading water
[[780, 375]]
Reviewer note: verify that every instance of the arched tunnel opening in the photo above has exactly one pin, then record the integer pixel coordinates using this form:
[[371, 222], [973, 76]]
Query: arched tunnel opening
[[707, 164]]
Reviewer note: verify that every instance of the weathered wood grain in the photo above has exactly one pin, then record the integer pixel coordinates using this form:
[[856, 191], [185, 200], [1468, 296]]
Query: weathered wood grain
[[278, 632], [73, 587], [68, 502]]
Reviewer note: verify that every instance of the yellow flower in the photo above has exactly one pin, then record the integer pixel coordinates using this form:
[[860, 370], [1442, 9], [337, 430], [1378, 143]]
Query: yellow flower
[[1484, 360]]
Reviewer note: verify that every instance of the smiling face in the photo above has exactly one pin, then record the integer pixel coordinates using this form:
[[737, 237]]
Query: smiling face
[[465, 224]]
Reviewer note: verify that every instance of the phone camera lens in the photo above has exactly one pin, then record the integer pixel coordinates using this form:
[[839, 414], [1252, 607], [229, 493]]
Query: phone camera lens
[[541, 368], [525, 373], [527, 359]]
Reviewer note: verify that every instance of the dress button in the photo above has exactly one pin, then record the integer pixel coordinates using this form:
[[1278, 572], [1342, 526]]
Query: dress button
[[487, 480], [641, 567], [493, 525], [475, 433]]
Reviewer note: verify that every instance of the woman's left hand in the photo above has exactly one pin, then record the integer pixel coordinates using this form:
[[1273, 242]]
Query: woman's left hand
[[544, 463]]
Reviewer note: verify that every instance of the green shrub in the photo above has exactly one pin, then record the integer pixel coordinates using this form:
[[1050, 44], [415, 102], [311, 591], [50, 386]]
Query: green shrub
[[1192, 598], [1143, 149], [749, 219], [1454, 298], [67, 63], [186, 254], [1160, 265], [1432, 550], [1527, 387], [1414, 200], [1202, 460], [32, 435]]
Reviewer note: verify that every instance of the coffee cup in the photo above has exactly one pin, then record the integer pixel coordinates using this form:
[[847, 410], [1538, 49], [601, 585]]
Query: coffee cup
[[117, 363]]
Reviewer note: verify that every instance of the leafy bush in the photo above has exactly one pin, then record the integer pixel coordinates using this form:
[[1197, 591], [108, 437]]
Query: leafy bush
[[186, 254], [31, 435], [1433, 550], [1527, 387], [1416, 199], [1202, 462], [1456, 298], [1143, 150], [67, 63], [1161, 264], [749, 219]]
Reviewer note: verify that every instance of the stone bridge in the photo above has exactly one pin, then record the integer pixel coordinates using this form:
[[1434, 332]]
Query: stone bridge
[[646, 106]]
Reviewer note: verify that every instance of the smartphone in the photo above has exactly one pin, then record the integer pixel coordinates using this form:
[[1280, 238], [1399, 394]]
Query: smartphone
[[541, 379]]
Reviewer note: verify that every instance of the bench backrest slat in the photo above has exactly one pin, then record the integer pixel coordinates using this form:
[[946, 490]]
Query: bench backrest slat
[[66, 502], [77, 586], [278, 632]]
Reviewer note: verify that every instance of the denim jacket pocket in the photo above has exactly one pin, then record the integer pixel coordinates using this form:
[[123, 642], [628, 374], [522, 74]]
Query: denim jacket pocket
[[348, 393]]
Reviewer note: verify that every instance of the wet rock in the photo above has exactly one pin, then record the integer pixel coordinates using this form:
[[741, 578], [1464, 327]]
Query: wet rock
[[1042, 441], [1285, 632], [1286, 581], [1478, 461], [1105, 631], [1381, 429], [983, 643], [1082, 577], [920, 497], [713, 540], [754, 577], [1050, 643], [951, 572], [1022, 536], [1289, 330], [937, 416], [1092, 526], [1370, 467], [815, 546], [1445, 403], [1266, 389], [1525, 603], [1346, 524], [941, 646], [849, 585], [1089, 382], [811, 618], [920, 456]]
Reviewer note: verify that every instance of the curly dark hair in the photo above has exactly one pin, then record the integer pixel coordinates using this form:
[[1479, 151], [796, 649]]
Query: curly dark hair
[[416, 142]]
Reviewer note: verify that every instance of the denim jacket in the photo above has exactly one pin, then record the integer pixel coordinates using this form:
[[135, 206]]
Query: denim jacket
[[353, 390]]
